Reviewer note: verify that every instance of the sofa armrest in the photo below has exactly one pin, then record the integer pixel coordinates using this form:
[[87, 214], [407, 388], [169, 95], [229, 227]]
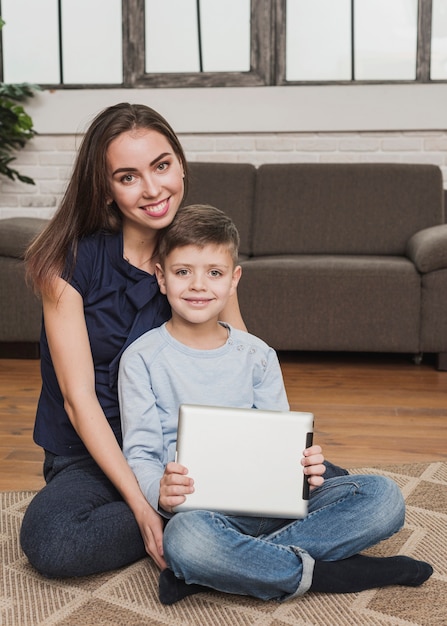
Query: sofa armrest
[[428, 249], [16, 234]]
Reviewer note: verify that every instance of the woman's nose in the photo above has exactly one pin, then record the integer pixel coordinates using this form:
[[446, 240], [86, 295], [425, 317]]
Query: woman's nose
[[151, 187]]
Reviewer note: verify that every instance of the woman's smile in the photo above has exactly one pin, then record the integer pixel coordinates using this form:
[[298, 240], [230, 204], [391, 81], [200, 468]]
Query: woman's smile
[[157, 210]]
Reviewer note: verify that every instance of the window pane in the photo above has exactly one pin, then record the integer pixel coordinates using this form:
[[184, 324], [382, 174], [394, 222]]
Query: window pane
[[171, 36], [439, 40], [225, 28], [385, 39], [30, 41], [224, 31], [92, 41], [318, 40]]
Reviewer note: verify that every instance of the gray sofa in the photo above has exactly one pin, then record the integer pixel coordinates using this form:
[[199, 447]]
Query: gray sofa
[[336, 257]]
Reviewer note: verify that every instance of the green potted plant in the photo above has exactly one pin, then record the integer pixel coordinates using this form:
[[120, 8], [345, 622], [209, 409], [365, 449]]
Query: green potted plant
[[16, 126]]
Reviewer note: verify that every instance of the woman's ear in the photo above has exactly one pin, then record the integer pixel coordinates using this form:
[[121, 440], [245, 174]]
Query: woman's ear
[[160, 275]]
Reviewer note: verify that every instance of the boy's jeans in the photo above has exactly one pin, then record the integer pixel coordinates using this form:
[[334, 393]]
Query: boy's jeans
[[273, 559]]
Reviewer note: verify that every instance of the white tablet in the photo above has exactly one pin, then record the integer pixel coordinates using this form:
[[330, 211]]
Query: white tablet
[[245, 461]]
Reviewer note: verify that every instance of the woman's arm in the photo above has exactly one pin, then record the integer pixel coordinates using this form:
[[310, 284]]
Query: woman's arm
[[72, 359], [232, 313]]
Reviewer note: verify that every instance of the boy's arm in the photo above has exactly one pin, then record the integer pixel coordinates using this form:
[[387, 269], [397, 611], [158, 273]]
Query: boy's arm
[[141, 425], [269, 391]]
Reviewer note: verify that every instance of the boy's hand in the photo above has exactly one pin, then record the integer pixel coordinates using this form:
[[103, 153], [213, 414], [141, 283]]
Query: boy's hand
[[313, 466], [175, 485]]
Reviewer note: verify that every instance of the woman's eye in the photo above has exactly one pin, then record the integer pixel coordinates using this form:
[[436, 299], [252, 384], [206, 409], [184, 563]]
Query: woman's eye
[[162, 166], [127, 178]]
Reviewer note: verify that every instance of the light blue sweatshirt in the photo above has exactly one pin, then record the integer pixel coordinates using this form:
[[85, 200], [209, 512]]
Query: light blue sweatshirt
[[158, 373]]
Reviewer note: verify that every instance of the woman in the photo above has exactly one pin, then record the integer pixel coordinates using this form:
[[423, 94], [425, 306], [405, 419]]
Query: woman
[[94, 268]]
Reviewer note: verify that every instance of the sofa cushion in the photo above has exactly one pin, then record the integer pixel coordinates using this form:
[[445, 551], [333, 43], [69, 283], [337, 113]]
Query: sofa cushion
[[229, 187], [334, 302], [355, 208]]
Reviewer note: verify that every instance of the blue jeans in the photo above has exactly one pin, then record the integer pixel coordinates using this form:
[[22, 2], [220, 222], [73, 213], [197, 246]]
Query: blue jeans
[[78, 524], [274, 558]]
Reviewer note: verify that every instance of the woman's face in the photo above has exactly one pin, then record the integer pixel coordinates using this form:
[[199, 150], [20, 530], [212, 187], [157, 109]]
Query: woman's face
[[145, 178]]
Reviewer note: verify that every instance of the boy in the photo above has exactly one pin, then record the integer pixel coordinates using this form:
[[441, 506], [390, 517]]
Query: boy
[[196, 359]]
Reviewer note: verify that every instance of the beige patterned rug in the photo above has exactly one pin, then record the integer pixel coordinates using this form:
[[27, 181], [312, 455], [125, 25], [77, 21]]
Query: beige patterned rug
[[129, 597]]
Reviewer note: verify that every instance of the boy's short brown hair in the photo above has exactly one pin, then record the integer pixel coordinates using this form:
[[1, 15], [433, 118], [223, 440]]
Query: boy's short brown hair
[[199, 225]]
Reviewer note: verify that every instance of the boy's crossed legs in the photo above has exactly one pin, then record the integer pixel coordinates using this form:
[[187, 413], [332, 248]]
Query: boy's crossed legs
[[281, 559]]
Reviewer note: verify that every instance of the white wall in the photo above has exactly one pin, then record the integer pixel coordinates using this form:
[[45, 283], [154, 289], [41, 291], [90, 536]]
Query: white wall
[[368, 123]]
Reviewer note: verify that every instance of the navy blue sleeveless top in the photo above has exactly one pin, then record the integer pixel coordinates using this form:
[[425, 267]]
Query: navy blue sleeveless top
[[121, 302]]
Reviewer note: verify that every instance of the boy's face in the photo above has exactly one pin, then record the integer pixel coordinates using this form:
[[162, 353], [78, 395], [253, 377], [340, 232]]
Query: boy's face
[[198, 281]]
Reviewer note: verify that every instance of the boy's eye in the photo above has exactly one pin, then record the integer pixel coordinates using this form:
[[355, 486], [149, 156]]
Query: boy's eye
[[181, 272], [215, 273]]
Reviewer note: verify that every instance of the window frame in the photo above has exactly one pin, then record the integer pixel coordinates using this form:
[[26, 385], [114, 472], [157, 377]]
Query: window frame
[[267, 54], [134, 73], [422, 53]]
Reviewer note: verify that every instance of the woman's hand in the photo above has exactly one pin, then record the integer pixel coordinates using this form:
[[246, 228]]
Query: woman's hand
[[313, 466], [175, 485], [151, 528]]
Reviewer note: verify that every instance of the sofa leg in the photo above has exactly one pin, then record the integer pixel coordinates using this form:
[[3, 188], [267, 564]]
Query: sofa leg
[[417, 358], [442, 361]]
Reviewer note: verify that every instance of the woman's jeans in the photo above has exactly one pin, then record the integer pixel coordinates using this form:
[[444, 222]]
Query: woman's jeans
[[78, 524], [273, 558]]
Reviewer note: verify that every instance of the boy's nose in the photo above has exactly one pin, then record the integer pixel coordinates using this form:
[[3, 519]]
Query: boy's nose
[[197, 282]]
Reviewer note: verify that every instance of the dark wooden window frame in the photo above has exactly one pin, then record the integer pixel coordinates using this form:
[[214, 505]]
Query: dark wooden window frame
[[422, 55], [262, 22], [267, 54]]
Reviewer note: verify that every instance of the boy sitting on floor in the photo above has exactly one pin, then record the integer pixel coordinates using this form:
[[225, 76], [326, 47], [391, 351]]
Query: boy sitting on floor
[[195, 359]]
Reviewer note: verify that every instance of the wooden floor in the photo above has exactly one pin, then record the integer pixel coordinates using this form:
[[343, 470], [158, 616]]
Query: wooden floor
[[369, 410]]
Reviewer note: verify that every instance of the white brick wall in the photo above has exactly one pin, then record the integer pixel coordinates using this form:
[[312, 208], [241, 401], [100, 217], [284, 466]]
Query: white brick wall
[[48, 159]]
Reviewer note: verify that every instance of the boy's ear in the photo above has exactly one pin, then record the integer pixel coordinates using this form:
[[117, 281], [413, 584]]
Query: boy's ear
[[237, 273], [160, 275]]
